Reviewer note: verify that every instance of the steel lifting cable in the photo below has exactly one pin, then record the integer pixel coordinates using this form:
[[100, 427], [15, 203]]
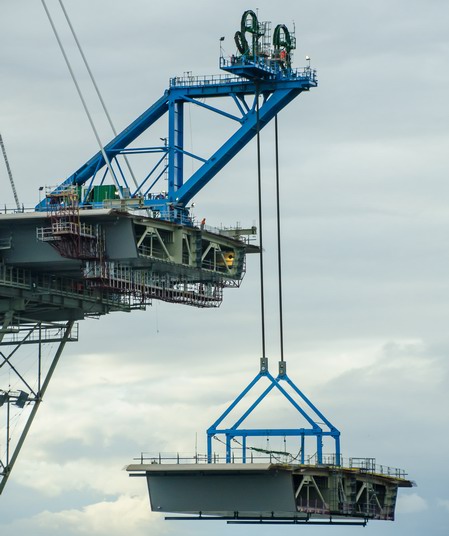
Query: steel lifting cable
[[8, 169], [259, 188], [278, 223]]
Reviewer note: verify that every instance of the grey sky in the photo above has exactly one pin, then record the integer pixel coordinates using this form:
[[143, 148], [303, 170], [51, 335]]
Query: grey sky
[[365, 196]]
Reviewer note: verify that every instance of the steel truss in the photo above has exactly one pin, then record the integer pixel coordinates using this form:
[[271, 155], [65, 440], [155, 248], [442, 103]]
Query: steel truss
[[144, 286], [24, 378]]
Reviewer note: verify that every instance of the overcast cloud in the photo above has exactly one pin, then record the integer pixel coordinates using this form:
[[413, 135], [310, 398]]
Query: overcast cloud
[[365, 196]]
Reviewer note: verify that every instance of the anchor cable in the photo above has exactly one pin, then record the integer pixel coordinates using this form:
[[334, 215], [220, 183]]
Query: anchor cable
[[8, 169], [83, 102], [97, 90]]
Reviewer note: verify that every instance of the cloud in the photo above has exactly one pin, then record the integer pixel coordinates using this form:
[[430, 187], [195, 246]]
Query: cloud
[[411, 504], [444, 503], [51, 478], [125, 515]]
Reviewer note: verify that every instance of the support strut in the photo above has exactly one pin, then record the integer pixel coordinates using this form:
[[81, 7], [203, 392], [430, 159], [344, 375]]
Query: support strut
[[24, 379]]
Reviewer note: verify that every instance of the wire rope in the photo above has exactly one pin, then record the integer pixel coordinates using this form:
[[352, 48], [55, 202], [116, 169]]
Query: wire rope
[[97, 90], [8, 169], [83, 102], [261, 266], [278, 223]]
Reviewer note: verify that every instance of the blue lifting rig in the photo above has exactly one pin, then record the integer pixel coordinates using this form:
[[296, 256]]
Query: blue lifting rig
[[305, 408]]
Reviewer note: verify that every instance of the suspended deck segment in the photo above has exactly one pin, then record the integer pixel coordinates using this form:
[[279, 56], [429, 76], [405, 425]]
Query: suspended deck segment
[[270, 492], [255, 485]]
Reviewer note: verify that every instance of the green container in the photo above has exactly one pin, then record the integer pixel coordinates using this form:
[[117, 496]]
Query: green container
[[104, 192]]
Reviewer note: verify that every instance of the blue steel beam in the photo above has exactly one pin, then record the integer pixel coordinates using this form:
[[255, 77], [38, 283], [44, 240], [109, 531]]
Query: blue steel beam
[[268, 110], [272, 432], [309, 403], [277, 93], [275, 383], [234, 404], [122, 140], [314, 431]]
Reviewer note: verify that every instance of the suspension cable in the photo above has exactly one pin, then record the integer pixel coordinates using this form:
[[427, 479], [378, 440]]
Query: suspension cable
[[259, 188], [8, 169], [94, 83], [278, 222], [89, 117]]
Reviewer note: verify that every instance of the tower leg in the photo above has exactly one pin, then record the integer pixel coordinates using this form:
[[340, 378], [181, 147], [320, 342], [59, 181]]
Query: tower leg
[[337, 451]]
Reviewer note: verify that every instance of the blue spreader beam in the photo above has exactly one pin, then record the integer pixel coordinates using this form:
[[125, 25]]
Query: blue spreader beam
[[317, 425]]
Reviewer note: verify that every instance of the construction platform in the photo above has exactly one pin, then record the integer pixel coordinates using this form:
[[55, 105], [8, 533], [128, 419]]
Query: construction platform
[[71, 263], [274, 492]]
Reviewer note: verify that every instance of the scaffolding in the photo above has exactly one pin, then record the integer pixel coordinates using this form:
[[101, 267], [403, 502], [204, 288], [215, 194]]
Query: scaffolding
[[71, 238], [144, 285]]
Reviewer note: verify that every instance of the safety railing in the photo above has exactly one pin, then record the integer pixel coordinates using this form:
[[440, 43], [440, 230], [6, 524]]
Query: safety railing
[[251, 457], [205, 80], [28, 334], [329, 460], [7, 209], [272, 65]]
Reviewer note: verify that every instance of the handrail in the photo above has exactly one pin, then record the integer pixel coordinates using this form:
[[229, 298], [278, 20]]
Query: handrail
[[328, 460]]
